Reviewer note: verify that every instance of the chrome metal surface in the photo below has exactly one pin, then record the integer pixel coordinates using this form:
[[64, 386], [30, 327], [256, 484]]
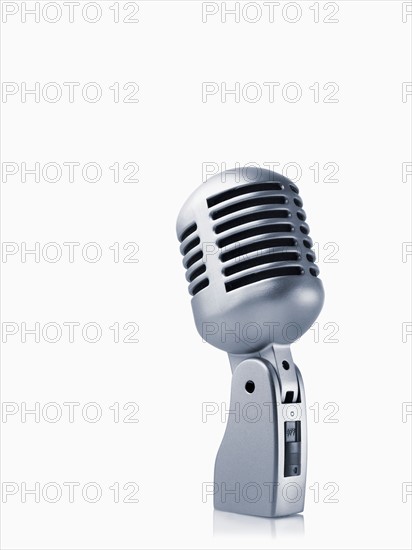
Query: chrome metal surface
[[255, 290]]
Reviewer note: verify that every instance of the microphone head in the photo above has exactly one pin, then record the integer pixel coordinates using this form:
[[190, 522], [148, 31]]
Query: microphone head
[[249, 261]]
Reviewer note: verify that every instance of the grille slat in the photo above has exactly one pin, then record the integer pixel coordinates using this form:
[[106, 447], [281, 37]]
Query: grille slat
[[188, 231], [261, 259], [307, 242], [198, 286], [262, 275], [196, 272], [188, 261], [263, 229], [253, 216], [194, 266], [190, 245], [243, 190], [256, 245], [314, 270], [248, 203]]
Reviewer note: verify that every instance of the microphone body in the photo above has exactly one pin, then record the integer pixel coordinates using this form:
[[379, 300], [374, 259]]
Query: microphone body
[[255, 289]]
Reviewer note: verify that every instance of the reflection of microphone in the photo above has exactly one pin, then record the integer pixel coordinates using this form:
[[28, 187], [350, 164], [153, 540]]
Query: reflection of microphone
[[255, 290]]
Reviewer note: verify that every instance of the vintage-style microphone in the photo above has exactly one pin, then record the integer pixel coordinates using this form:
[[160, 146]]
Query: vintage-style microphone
[[255, 289]]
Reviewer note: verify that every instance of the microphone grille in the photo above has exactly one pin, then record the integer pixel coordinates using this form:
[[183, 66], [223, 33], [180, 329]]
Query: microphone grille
[[260, 231]]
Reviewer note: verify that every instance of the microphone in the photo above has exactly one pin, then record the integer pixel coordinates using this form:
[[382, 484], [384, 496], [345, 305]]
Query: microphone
[[255, 289]]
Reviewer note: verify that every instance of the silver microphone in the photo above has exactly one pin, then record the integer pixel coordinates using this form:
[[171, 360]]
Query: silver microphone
[[255, 289]]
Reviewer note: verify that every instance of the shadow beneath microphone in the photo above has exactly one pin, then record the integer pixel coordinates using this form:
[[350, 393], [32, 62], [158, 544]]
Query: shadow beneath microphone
[[228, 524]]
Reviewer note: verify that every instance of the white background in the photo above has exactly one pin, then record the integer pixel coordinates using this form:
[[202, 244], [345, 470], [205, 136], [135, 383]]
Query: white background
[[170, 133]]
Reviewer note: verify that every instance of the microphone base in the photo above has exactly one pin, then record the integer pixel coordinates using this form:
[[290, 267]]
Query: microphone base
[[260, 467]]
